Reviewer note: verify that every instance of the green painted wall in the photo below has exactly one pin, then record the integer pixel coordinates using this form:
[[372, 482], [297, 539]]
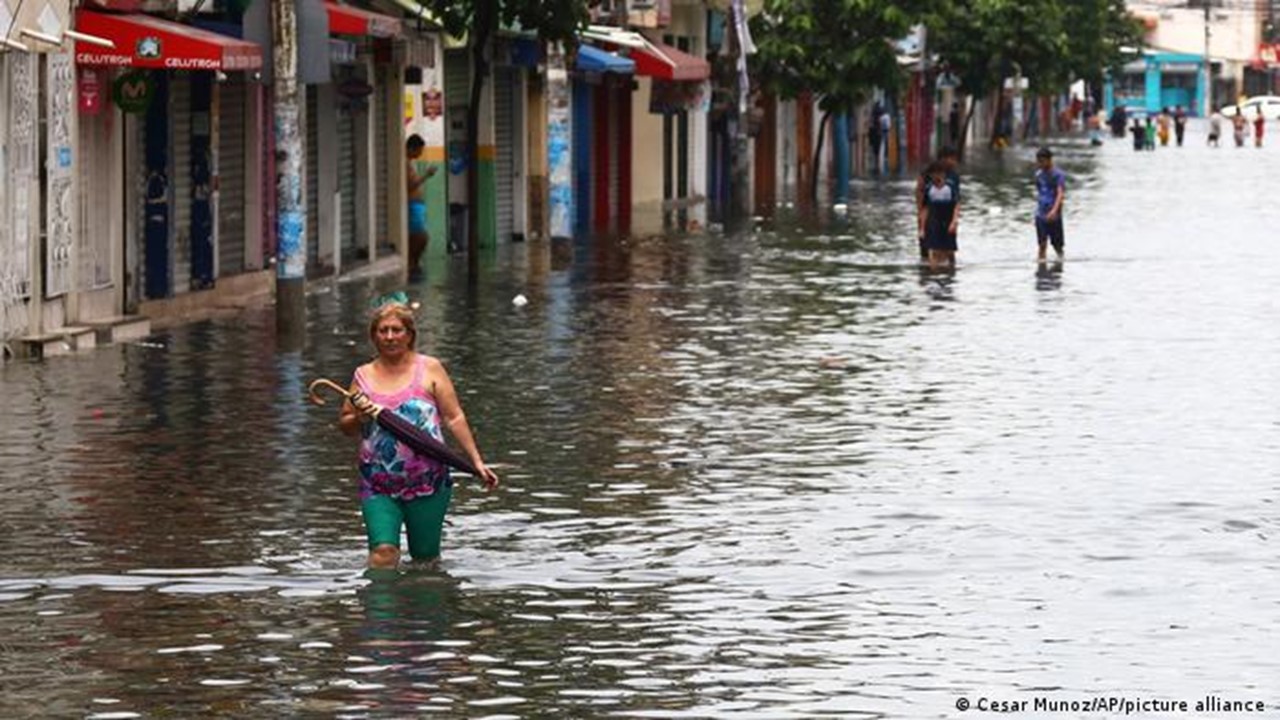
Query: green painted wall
[[488, 223], [437, 212]]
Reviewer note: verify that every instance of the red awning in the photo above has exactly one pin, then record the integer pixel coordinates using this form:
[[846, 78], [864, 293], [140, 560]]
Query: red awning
[[143, 41], [667, 63], [348, 20]]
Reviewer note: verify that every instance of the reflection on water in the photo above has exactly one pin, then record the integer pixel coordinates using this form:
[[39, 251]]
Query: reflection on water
[[785, 474], [1049, 275]]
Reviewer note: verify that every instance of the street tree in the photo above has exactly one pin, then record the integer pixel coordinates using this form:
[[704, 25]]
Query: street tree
[[985, 42], [554, 21], [838, 50], [1102, 35], [1051, 43]]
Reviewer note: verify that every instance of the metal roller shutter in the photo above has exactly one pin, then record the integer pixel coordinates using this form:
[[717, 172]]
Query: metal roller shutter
[[380, 150], [615, 154], [96, 180], [504, 164], [347, 182], [457, 94], [583, 156], [313, 182], [180, 176], [231, 175]]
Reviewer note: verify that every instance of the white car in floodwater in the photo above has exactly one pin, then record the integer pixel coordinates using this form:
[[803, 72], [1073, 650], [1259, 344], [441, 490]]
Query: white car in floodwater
[[1268, 104]]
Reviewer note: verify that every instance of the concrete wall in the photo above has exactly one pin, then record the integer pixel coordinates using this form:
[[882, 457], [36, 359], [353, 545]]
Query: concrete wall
[[687, 20], [646, 163], [1234, 31]]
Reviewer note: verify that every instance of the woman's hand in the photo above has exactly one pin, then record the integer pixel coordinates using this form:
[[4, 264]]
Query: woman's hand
[[487, 476], [367, 408]]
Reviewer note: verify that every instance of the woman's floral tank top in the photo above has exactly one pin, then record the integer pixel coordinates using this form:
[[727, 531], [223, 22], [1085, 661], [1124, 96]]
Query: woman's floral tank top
[[388, 466]]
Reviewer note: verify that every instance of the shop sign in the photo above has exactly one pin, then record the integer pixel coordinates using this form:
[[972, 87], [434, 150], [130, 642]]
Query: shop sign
[[432, 103], [1269, 53], [132, 92], [148, 48], [90, 91], [342, 52]]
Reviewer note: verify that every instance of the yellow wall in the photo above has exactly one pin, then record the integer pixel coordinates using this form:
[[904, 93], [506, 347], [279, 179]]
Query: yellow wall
[[646, 163]]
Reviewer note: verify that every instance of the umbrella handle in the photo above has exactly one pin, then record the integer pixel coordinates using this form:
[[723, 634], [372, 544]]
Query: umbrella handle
[[322, 382]]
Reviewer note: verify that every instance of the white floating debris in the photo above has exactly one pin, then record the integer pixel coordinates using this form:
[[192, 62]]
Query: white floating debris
[[520, 300], [315, 645], [194, 649]]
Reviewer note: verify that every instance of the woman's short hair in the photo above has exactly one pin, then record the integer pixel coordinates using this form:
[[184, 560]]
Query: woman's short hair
[[399, 311]]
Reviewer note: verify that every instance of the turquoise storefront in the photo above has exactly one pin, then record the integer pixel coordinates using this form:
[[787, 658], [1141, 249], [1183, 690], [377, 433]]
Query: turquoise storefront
[[1158, 80]]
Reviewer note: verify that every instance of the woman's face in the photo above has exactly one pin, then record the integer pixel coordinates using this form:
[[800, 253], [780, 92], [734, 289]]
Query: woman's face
[[391, 336]]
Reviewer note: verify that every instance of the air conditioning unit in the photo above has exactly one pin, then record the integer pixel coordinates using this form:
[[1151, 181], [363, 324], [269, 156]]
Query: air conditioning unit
[[201, 6], [649, 13]]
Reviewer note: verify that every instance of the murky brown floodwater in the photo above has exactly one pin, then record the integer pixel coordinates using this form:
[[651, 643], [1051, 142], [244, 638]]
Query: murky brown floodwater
[[773, 476]]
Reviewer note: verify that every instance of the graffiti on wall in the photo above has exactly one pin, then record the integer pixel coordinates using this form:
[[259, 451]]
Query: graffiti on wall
[[60, 206], [17, 152], [559, 148]]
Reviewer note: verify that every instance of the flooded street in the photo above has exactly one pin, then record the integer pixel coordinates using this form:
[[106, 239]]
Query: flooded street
[[774, 476]]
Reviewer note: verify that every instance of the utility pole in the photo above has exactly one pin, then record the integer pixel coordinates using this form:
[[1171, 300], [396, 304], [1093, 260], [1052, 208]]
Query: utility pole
[[739, 165], [291, 213], [1207, 104]]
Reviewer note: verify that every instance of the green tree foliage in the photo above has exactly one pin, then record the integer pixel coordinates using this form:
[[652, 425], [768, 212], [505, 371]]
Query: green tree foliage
[[554, 21], [838, 50], [1051, 43], [1101, 36]]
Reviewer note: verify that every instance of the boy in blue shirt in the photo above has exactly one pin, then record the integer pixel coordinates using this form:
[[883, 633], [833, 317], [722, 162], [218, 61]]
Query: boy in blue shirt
[[1051, 189]]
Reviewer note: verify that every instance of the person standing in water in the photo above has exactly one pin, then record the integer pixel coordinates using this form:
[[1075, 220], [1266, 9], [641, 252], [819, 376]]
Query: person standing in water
[[1215, 128], [950, 159], [1051, 191], [941, 216], [397, 486], [416, 175]]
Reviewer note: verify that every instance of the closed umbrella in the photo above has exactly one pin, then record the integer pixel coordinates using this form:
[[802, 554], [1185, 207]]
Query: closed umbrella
[[403, 430]]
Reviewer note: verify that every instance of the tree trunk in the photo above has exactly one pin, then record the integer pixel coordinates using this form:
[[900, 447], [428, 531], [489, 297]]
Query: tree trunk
[[817, 156], [964, 128], [999, 117], [486, 17], [291, 216], [739, 144]]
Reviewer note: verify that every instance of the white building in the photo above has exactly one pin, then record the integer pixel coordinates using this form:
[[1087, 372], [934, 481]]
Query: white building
[[1231, 31]]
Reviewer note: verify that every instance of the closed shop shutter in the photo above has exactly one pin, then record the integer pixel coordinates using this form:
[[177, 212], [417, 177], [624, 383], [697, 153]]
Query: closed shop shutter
[[347, 182], [313, 182], [380, 172], [96, 181], [180, 176], [505, 138], [457, 94], [583, 156], [615, 153], [231, 174], [457, 78]]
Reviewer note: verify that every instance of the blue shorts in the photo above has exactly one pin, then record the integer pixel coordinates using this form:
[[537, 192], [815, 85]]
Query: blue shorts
[[417, 216], [1050, 231]]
